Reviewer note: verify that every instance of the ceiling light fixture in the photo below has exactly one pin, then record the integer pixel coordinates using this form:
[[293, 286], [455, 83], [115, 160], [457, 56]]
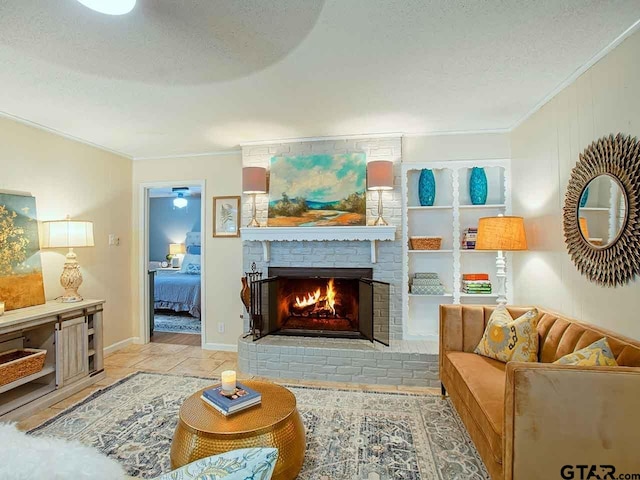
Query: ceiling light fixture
[[110, 7], [180, 202]]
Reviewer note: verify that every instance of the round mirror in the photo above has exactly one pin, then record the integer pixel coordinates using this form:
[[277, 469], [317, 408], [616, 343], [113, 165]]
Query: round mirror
[[602, 211]]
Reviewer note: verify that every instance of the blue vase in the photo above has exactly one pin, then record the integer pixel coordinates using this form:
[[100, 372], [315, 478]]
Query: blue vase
[[427, 188], [584, 197], [478, 186]]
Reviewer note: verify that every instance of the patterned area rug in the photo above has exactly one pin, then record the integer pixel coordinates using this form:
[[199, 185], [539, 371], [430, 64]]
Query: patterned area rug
[[350, 434], [176, 323]]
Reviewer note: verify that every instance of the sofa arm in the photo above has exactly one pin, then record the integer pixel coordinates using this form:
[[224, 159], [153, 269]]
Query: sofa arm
[[461, 328], [558, 415]]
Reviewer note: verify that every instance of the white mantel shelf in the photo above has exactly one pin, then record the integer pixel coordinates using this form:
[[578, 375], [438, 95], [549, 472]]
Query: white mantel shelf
[[266, 235]]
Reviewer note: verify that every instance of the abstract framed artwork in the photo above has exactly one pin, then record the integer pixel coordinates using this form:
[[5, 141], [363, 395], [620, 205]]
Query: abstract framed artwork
[[21, 281], [317, 190], [226, 216]]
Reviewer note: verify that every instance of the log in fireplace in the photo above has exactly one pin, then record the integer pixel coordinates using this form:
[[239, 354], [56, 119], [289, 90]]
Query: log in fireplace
[[326, 302]]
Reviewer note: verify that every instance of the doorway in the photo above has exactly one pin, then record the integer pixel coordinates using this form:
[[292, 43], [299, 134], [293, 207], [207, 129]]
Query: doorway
[[172, 263]]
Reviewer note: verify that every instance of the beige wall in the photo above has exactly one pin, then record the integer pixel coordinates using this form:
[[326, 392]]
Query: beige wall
[[604, 100], [68, 177], [432, 148], [223, 256]]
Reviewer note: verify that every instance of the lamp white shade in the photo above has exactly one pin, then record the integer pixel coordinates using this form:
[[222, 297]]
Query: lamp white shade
[[67, 233]]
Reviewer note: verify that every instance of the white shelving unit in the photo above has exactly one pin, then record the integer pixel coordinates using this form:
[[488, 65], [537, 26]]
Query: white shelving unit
[[451, 213]]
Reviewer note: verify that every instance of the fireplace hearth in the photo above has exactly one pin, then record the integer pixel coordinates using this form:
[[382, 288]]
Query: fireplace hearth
[[327, 302]]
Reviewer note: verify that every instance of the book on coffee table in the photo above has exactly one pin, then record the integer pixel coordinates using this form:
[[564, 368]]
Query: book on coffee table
[[228, 403]]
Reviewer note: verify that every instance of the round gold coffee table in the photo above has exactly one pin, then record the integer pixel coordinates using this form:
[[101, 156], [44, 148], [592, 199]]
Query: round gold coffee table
[[202, 431]]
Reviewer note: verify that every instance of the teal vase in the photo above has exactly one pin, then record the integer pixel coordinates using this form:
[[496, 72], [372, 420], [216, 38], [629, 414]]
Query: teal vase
[[478, 186], [427, 188]]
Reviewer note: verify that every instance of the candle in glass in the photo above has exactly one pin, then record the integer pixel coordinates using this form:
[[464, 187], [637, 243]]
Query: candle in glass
[[228, 378]]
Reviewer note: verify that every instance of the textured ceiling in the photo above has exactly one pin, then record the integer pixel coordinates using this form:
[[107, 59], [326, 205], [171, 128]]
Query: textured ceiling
[[200, 76]]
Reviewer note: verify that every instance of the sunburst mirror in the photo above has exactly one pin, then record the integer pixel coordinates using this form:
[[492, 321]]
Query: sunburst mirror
[[601, 211]]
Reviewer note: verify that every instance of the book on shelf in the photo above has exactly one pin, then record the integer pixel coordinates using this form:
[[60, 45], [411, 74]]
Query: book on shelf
[[475, 276], [242, 398]]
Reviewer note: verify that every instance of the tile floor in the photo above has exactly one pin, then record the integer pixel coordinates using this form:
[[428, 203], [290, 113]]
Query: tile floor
[[183, 360]]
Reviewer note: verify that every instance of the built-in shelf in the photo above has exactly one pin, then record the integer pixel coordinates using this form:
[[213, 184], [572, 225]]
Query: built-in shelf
[[480, 207], [266, 235], [91, 352], [432, 207], [430, 251], [444, 295], [480, 295], [594, 209], [21, 381]]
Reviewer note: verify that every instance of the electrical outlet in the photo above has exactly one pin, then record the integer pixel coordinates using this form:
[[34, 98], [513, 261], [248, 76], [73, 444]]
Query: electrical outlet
[[114, 239], [220, 327]]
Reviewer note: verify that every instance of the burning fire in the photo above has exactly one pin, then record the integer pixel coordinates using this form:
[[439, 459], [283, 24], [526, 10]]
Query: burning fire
[[328, 301]]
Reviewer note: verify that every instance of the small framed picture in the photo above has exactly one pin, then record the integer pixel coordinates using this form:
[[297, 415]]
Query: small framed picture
[[226, 216]]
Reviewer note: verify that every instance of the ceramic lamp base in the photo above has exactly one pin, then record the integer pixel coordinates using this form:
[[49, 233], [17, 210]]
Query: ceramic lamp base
[[71, 279]]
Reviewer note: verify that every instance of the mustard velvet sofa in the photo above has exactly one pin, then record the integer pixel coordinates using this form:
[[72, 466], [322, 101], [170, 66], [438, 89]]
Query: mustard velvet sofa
[[532, 420]]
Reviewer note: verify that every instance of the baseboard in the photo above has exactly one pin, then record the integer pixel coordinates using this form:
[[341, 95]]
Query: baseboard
[[120, 345], [225, 347]]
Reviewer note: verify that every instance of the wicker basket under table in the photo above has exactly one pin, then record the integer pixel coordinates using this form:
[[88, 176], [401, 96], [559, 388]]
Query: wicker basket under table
[[425, 243], [19, 363]]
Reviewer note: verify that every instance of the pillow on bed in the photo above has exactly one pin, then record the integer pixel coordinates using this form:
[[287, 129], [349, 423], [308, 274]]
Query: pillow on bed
[[194, 249], [193, 269], [189, 259]]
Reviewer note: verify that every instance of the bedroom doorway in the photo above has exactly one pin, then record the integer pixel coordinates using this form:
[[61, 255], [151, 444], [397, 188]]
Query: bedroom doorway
[[173, 253]]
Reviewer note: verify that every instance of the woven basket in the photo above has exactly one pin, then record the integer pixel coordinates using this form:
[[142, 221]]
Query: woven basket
[[425, 243], [15, 364]]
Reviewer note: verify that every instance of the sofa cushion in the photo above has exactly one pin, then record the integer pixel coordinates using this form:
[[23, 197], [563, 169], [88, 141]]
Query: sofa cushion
[[480, 381], [506, 339], [598, 354]]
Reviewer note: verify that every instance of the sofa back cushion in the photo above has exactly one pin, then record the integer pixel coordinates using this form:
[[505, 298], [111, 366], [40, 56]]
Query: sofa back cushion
[[560, 336]]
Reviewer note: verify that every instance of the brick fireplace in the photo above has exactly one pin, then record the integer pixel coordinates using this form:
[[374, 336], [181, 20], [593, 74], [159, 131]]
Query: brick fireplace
[[324, 302]]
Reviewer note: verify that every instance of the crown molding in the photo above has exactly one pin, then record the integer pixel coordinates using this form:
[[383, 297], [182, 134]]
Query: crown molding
[[576, 74], [68, 136], [362, 136], [191, 155], [489, 131]]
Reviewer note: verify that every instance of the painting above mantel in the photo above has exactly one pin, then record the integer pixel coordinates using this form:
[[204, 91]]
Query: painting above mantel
[[317, 190]]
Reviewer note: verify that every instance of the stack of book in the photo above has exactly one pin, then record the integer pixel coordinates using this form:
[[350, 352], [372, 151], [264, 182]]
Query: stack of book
[[476, 283], [469, 237], [426, 283], [228, 404]]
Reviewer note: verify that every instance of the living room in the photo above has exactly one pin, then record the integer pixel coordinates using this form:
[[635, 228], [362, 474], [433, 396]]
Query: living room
[[362, 233]]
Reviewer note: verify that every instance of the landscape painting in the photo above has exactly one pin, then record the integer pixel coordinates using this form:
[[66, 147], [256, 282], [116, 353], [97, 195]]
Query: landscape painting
[[318, 190], [21, 283]]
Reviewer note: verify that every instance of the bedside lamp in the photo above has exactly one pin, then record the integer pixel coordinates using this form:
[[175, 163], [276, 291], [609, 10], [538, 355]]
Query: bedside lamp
[[380, 177], [176, 249], [501, 234], [254, 181], [68, 234]]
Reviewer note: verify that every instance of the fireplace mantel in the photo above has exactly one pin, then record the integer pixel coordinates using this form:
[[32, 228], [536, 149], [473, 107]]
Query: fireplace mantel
[[266, 235]]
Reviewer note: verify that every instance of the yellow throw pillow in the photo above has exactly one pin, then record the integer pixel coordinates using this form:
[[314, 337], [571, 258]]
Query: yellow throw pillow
[[510, 340], [598, 354]]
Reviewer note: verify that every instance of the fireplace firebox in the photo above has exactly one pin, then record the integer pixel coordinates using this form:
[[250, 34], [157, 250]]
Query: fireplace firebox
[[326, 302]]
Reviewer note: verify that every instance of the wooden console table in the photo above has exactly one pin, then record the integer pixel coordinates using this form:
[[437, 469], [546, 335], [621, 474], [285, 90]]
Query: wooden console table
[[72, 335]]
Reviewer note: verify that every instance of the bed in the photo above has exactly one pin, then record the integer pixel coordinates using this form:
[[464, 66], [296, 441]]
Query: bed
[[180, 290]]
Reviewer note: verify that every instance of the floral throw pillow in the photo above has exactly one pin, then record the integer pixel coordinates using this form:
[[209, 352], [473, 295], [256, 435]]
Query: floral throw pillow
[[247, 463], [509, 340], [598, 354]]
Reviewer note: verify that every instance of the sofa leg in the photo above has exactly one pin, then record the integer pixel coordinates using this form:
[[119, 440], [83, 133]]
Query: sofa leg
[[443, 391]]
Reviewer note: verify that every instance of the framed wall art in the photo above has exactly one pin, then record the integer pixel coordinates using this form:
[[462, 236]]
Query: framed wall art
[[226, 216]]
